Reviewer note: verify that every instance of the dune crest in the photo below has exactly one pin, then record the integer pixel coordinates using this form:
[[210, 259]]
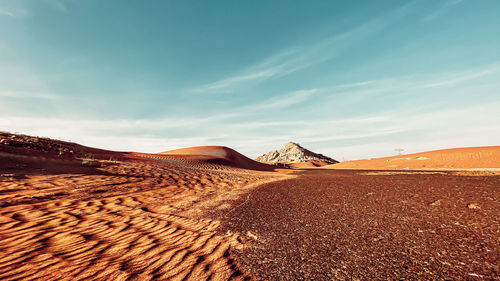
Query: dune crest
[[70, 212], [215, 155], [487, 157]]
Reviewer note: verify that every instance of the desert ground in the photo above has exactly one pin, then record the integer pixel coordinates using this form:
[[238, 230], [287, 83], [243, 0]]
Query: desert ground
[[70, 212], [487, 157]]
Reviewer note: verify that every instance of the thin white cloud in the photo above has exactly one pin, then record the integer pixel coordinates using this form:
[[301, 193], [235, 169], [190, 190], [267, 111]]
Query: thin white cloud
[[263, 70], [398, 124], [339, 123], [440, 11], [96, 125], [301, 57], [24, 95], [156, 135], [299, 96], [58, 5], [428, 142], [439, 129], [349, 94], [226, 85], [324, 136], [6, 13], [129, 135], [459, 127], [361, 135], [406, 85], [458, 79], [284, 101]]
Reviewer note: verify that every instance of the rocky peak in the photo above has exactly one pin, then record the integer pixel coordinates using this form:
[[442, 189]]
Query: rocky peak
[[293, 153]]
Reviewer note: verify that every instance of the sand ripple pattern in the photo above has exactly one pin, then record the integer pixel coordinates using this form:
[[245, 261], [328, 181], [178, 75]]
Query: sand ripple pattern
[[128, 221]]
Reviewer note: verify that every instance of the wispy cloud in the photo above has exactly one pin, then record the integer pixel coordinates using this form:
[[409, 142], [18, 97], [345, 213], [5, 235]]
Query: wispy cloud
[[284, 101], [24, 95], [58, 5], [339, 123], [227, 85], [112, 134], [352, 94], [366, 107], [461, 78], [281, 101], [303, 56], [443, 9], [415, 132], [454, 127], [6, 13], [407, 84], [335, 137], [268, 68]]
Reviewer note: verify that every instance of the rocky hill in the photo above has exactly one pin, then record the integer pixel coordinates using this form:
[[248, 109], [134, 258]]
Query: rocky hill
[[294, 153]]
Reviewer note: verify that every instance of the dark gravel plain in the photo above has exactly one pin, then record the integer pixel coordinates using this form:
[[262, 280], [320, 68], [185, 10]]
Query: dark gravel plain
[[354, 225]]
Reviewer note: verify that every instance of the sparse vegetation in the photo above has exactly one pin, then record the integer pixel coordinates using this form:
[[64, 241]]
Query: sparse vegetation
[[89, 160]]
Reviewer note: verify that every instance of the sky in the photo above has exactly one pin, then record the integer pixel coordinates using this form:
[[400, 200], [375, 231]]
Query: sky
[[348, 79]]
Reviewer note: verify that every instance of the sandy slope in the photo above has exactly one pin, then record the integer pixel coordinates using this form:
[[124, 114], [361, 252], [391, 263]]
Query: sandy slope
[[308, 164], [217, 155], [195, 214], [136, 218], [457, 158]]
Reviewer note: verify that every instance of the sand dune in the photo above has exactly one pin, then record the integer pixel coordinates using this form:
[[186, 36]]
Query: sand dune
[[308, 164], [220, 155], [196, 214], [457, 158], [135, 218]]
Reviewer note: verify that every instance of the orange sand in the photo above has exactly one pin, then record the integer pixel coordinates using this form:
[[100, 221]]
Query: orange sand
[[308, 164], [216, 155], [69, 212], [456, 158], [89, 214]]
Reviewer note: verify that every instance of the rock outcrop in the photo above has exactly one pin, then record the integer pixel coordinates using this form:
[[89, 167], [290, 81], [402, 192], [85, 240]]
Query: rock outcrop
[[294, 153]]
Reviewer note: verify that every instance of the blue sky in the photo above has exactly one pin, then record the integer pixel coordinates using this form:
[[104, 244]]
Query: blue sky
[[349, 79]]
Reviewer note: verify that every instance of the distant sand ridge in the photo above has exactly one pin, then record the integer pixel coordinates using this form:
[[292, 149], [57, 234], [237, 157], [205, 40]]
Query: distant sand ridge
[[217, 155], [129, 218], [458, 158], [70, 212]]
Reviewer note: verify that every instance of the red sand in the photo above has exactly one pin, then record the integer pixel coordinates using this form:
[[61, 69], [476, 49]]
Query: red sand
[[69, 212], [308, 164], [456, 158], [219, 155]]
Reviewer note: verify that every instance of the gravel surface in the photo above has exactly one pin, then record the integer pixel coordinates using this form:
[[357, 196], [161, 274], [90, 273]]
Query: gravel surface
[[350, 225]]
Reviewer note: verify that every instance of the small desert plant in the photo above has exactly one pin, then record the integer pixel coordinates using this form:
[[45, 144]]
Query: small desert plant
[[89, 160], [89, 156]]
